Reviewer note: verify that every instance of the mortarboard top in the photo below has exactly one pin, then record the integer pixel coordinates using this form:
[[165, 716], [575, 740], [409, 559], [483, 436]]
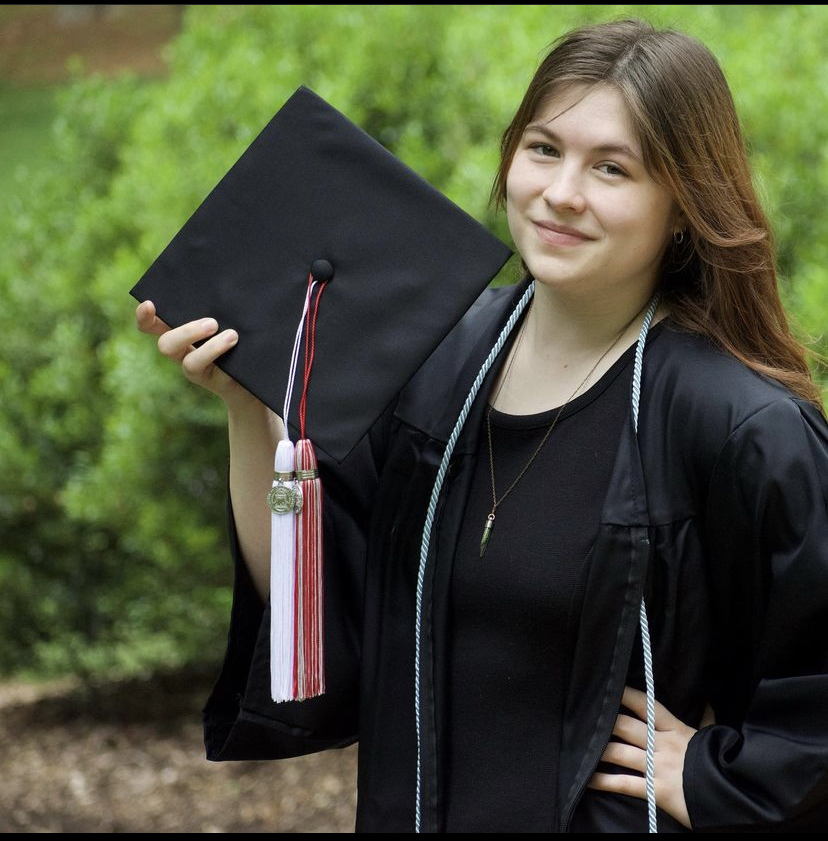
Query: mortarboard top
[[313, 186]]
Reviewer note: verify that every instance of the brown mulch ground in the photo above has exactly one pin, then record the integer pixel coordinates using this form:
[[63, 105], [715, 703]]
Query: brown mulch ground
[[129, 757], [37, 42]]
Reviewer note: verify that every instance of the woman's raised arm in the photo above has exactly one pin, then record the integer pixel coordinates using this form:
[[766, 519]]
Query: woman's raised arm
[[253, 428]]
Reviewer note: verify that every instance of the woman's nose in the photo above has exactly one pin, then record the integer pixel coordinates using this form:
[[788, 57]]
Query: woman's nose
[[565, 189]]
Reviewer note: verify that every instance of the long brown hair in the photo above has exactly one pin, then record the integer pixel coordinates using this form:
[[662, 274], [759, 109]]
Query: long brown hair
[[720, 280]]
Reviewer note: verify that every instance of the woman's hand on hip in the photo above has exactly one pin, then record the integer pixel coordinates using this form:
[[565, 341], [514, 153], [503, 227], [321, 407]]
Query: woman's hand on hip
[[671, 739]]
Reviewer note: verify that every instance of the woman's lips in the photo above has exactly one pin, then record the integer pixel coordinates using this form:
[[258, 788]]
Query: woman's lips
[[560, 234]]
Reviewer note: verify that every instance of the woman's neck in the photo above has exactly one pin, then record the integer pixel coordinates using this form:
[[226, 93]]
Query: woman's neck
[[571, 326], [567, 345]]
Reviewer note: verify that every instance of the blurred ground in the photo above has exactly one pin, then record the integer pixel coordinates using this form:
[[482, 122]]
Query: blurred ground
[[37, 42], [128, 756]]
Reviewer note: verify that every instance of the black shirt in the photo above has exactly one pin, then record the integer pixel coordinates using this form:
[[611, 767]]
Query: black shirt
[[514, 612]]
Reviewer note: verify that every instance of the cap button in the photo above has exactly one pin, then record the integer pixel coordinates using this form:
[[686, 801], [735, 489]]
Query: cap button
[[321, 270]]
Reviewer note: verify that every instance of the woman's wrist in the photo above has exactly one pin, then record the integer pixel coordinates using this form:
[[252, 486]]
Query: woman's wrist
[[241, 403], [247, 413]]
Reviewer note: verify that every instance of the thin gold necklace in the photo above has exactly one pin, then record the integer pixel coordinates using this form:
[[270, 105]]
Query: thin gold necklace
[[489, 524]]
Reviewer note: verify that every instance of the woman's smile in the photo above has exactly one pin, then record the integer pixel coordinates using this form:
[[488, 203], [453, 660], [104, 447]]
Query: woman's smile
[[560, 235]]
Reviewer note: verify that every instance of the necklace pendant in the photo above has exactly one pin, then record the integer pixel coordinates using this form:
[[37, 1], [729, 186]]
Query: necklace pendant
[[487, 531]]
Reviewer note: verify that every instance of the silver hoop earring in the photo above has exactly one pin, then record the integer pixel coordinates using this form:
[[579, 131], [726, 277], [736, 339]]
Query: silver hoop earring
[[678, 237]]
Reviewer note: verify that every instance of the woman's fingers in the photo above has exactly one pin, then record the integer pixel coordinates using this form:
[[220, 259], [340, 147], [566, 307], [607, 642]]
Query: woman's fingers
[[178, 342], [627, 756], [147, 321], [631, 730], [636, 702], [619, 784], [671, 739], [195, 346], [198, 364]]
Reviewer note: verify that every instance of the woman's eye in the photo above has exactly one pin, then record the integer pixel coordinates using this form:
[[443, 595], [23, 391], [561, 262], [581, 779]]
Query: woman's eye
[[611, 169], [544, 149]]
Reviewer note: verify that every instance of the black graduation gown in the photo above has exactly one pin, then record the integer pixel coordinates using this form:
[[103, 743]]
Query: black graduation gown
[[717, 512]]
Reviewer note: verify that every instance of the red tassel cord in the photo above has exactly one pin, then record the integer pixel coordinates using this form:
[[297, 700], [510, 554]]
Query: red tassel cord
[[310, 351], [309, 641]]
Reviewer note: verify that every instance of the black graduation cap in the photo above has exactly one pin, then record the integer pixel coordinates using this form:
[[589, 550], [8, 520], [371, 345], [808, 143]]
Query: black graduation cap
[[406, 264]]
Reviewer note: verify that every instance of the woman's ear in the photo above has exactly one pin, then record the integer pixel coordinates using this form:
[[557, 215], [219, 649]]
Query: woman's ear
[[680, 222]]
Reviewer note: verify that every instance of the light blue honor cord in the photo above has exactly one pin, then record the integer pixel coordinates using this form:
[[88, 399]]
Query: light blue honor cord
[[642, 618], [429, 522]]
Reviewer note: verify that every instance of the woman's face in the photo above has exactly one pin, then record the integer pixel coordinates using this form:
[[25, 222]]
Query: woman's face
[[584, 212]]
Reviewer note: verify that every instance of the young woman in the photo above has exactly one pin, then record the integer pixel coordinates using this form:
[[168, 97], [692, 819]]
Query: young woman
[[631, 516]]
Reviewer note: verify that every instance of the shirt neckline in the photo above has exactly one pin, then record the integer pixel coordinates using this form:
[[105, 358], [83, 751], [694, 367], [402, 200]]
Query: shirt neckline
[[544, 418]]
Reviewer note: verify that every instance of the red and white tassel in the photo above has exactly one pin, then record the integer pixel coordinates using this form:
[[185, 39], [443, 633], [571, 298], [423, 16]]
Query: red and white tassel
[[296, 589], [309, 650]]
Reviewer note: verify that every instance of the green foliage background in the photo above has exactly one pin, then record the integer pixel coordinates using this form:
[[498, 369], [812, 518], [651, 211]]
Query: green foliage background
[[112, 537]]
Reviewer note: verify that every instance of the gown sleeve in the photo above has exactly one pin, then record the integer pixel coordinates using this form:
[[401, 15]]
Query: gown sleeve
[[764, 764], [240, 719]]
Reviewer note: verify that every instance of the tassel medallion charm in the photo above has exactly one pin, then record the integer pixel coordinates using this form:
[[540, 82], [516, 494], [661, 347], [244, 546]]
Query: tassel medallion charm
[[487, 533], [284, 498]]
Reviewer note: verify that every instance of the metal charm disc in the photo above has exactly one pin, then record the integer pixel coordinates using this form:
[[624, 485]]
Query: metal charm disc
[[284, 499]]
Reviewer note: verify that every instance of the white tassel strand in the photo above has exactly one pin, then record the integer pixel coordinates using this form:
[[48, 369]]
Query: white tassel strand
[[283, 499]]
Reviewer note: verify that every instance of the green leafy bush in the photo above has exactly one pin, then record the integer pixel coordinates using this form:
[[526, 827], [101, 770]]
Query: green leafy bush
[[112, 536]]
